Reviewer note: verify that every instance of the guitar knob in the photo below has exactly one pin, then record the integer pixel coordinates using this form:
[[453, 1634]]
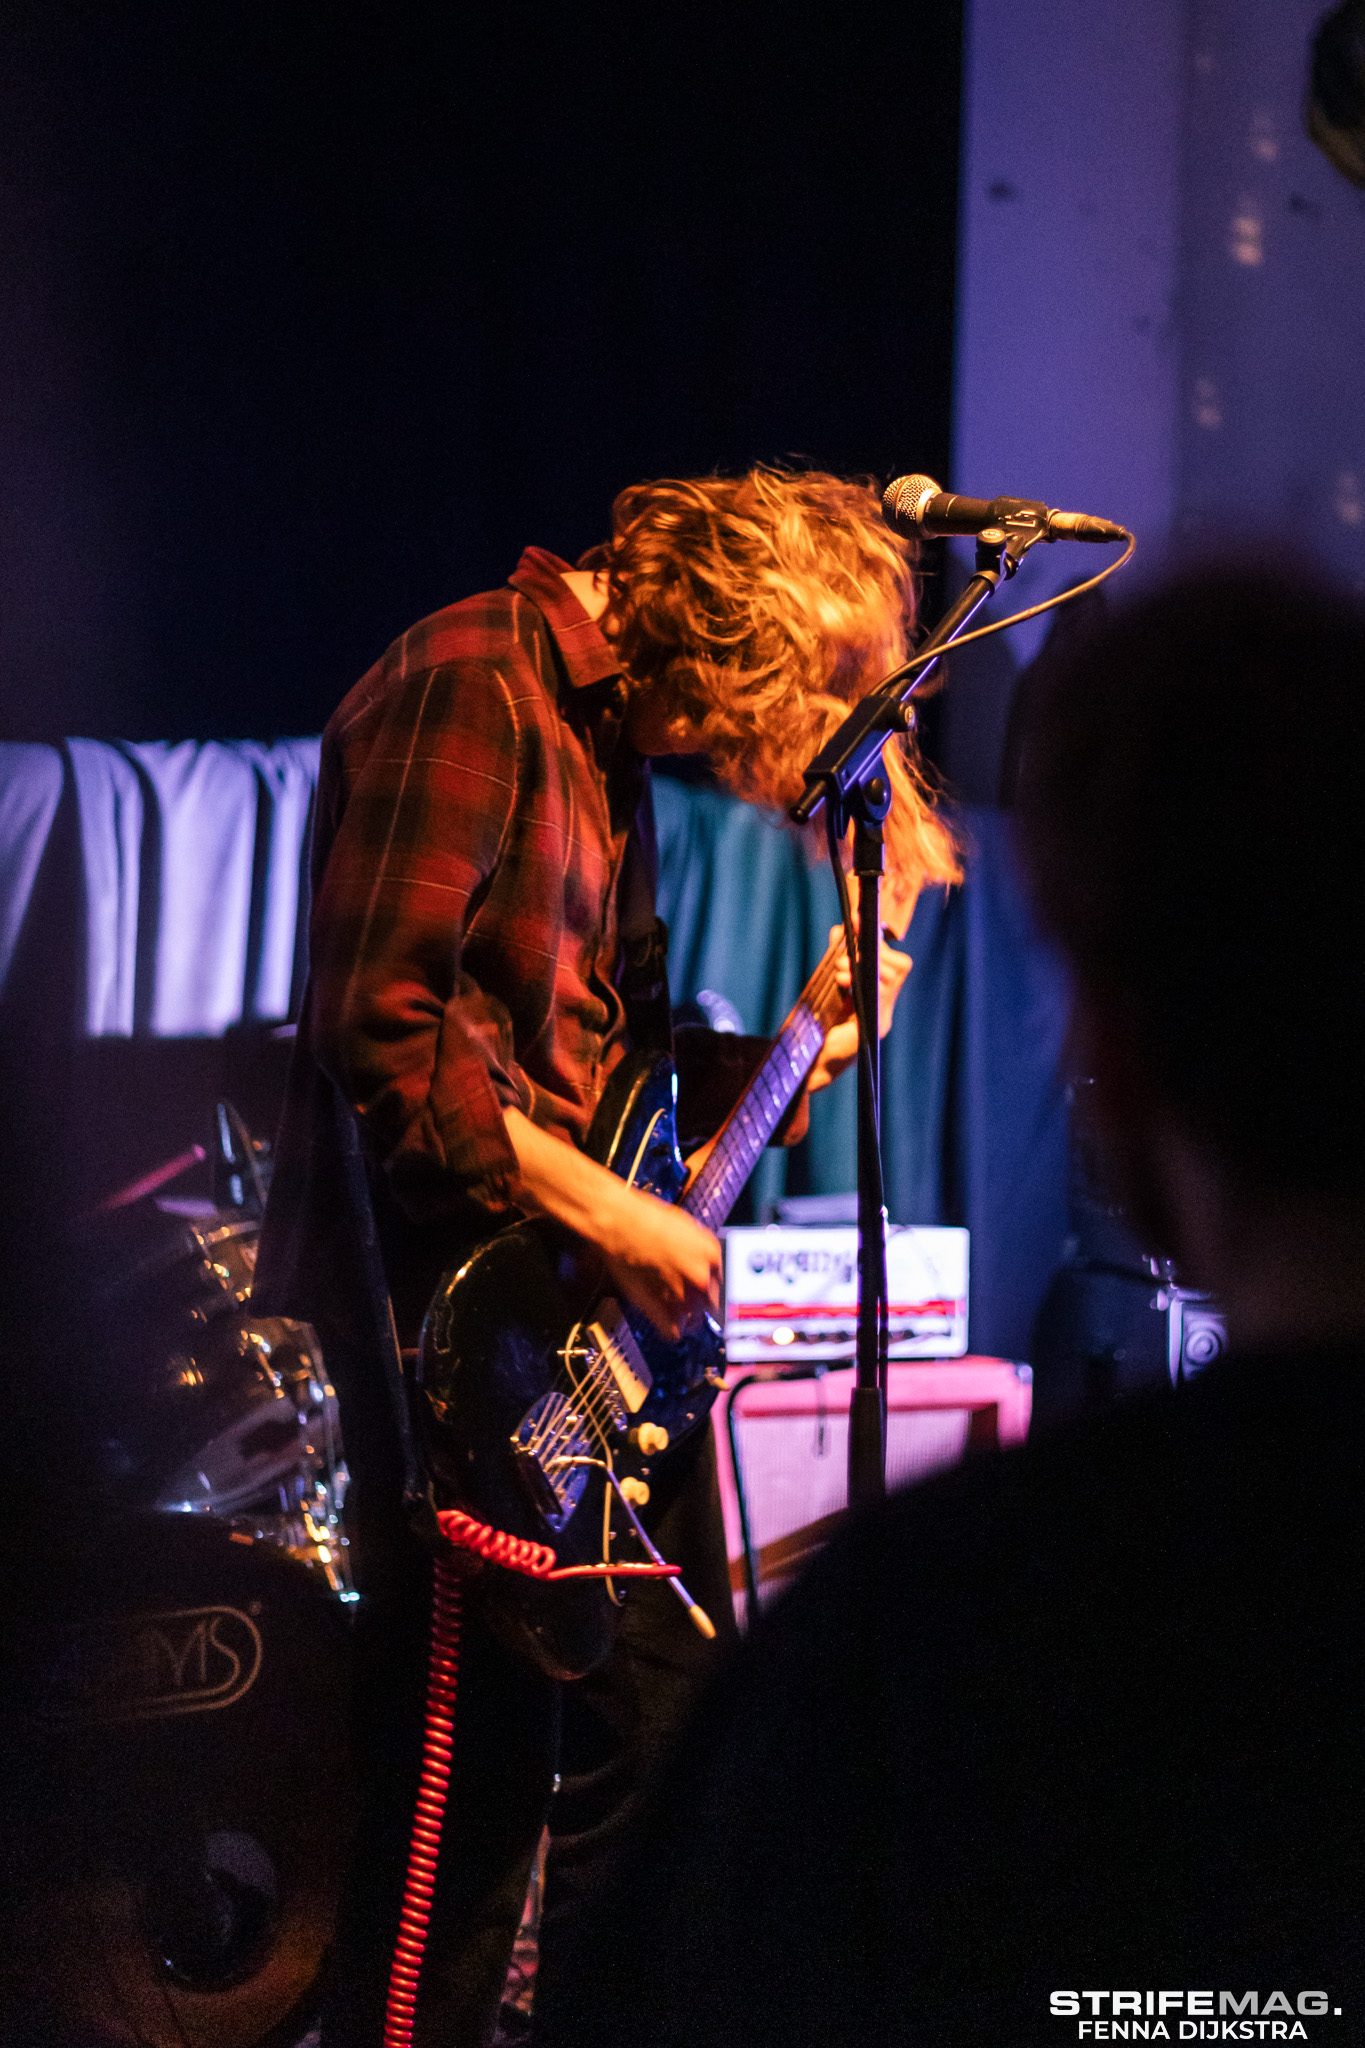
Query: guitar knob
[[635, 1491], [649, 1439]]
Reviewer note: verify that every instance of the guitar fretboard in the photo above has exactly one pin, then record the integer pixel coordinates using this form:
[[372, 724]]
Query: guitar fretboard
[[762, 1106]]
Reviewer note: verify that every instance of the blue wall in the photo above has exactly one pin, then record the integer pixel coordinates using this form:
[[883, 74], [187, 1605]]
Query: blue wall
[[1271, 425], [1161, 310]]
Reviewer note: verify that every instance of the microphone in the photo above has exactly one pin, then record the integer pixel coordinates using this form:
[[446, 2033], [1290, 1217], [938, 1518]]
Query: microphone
[[915, 504]]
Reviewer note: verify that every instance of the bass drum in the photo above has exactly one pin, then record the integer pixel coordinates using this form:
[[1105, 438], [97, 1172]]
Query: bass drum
[[177, 1792]]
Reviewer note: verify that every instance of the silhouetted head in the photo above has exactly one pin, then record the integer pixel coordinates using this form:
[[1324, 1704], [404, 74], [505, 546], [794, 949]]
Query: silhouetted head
[[1192, 818]]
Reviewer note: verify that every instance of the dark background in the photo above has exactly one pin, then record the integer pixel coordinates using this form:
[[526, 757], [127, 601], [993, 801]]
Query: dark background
[[313, 316]]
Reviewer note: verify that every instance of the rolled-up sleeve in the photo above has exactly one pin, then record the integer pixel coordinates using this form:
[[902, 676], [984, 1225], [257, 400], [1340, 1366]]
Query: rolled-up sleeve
[[423, 1054]]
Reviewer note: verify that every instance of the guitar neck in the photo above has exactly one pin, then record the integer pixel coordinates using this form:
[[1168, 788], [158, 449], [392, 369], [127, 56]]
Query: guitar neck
[[767, 1098]]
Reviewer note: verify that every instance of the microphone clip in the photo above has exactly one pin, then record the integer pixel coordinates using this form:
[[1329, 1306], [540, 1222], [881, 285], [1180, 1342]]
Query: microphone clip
[[1022, 523]]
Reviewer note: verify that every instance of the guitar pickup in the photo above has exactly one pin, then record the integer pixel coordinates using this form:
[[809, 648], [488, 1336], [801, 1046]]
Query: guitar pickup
[[624, 1358], [547, 1444]]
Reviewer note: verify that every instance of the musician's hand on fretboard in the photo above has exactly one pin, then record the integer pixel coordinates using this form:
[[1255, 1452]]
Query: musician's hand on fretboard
[[840, 1048]]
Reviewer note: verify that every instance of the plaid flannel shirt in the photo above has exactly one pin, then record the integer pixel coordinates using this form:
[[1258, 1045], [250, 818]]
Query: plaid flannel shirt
[[473, 809], [474, 802]]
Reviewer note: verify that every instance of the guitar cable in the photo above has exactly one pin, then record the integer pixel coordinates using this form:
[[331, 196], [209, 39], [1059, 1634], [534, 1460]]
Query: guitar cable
[[536, 1561], [438, 1744]]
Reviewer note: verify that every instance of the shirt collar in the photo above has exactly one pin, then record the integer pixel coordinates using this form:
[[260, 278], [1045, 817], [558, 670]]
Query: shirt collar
[[588, 655]]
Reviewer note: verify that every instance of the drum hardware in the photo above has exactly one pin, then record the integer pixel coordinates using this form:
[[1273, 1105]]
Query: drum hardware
[[198, 1406], [240, 1169], [276, 1472], [241, 1164]]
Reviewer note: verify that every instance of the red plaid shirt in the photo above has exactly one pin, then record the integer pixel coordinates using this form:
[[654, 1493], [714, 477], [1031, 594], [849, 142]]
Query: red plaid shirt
[[473, 808]]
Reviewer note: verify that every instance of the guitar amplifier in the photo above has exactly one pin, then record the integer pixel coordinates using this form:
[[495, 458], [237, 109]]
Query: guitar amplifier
[[783, 1448], [791, 1293]]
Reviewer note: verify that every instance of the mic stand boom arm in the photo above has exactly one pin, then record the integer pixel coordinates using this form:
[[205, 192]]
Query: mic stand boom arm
[[847, 775], [853, 755]]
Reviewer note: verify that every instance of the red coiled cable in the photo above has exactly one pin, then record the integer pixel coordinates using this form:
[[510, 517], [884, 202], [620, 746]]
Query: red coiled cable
[[437, 1748], [536, 1561]]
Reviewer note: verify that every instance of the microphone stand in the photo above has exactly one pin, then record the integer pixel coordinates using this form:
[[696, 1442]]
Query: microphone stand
[[848, 776]]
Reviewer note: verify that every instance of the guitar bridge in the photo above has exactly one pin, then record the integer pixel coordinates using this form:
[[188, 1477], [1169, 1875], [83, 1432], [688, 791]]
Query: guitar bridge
[[616, 1364], [550, 1435]]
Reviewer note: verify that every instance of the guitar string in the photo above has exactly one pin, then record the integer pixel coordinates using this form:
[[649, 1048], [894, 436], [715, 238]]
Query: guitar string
[[567, 1419], [585, 1390], [548, 1445], [601, 1373], [606, 1453], [565, 1431], [563, 1425], [599, 1416], [734, 1161], [593, 1416], [598, 1413], [549, 1430]]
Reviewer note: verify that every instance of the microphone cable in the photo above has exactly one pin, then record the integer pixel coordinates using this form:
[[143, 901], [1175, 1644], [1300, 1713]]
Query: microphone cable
[[1033, 611]]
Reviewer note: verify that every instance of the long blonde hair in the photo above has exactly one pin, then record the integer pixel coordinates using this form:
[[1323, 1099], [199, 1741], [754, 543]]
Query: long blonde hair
[[763, 607]]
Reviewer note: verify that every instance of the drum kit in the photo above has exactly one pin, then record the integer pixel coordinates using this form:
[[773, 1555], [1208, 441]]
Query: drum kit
[[175, 1773]]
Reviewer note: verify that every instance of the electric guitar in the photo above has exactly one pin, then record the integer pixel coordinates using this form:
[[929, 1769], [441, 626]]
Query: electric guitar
[[541, 1400]]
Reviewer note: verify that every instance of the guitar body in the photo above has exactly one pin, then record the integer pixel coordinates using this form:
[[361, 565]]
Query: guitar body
[[525, 1367]]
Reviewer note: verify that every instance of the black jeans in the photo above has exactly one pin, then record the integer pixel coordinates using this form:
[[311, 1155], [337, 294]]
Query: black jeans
[[515, 1731]]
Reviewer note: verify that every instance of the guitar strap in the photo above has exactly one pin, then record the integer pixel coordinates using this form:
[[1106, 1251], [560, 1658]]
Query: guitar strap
[[382, 1333], [643, 982]]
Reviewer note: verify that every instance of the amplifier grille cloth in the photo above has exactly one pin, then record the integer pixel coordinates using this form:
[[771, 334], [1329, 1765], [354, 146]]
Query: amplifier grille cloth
[[796, 1466]]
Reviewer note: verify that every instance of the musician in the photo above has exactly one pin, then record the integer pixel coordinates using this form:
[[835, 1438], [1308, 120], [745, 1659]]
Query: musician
[[483, 946]]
